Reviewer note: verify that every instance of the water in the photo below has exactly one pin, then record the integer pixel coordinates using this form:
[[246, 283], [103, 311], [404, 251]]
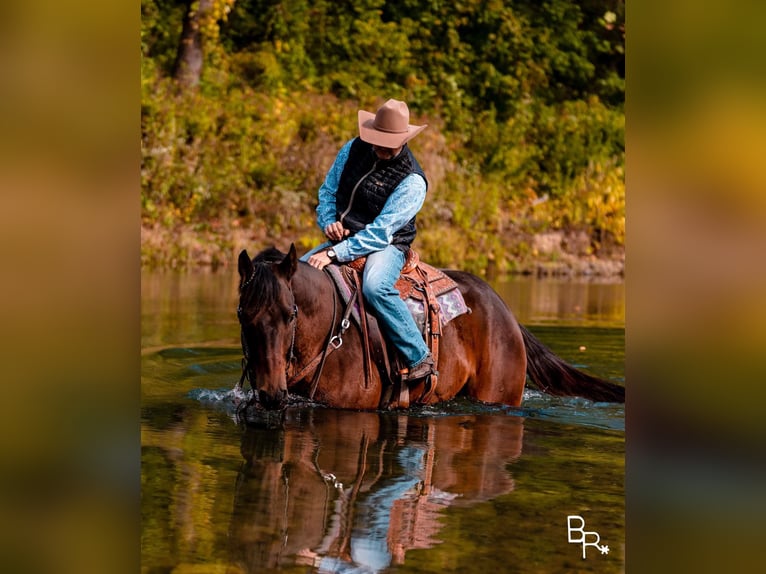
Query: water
[[458, 487]]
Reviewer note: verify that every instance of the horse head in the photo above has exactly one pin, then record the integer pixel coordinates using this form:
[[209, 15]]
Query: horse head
[[267, 315]]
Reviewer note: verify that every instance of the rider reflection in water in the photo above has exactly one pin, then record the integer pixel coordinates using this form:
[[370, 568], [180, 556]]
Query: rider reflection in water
[[373, 545]]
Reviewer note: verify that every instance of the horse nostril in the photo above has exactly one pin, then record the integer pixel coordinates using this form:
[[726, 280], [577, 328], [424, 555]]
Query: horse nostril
[[273, 401]]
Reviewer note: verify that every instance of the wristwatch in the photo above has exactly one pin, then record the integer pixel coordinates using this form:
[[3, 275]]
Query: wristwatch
[[331, 255]]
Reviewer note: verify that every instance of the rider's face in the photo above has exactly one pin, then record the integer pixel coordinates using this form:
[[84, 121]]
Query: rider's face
[[386, 152]]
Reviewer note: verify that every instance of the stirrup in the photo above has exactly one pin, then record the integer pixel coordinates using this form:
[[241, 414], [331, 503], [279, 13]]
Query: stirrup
[[422, 371]]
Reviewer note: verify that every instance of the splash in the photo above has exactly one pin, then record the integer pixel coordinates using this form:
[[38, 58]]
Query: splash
[[537, 405], [223, 399], [571, 410]]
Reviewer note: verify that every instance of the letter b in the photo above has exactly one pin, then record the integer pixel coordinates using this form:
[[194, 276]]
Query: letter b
[[570, 529]]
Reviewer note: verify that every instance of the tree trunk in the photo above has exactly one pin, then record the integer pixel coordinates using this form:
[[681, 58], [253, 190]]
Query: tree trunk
[[190, 57]]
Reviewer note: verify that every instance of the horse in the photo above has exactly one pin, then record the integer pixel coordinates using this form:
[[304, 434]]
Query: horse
[[290, 330]]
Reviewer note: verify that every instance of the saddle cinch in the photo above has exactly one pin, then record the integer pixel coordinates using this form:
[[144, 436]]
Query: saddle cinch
[[433, 299]]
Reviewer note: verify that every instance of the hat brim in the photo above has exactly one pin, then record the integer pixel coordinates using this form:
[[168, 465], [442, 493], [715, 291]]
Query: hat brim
[[369, 134]]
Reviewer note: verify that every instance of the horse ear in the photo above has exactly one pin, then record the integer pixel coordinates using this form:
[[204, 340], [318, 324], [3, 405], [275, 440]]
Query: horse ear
[[245, 266], [289, 264]]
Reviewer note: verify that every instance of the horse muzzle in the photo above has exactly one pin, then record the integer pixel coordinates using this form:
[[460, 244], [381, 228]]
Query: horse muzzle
[[272, 400]]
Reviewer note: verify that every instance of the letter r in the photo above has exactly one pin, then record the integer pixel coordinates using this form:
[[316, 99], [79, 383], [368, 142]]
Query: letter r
[[585, 543]]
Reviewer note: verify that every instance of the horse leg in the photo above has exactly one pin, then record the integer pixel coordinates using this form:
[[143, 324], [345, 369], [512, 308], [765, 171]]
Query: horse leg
[[492, 339], [501, 366]]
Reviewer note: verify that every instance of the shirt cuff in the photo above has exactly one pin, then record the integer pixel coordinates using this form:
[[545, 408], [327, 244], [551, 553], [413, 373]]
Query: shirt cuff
[[341, 252]]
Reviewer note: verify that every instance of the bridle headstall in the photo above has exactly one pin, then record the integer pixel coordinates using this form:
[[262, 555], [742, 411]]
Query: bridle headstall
[[332, 343]]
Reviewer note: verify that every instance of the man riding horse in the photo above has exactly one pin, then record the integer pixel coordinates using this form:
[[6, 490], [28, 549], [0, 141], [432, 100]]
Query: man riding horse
[[367, 207]]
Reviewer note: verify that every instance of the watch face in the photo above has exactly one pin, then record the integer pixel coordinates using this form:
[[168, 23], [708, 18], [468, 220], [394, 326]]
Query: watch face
[[331, 253]]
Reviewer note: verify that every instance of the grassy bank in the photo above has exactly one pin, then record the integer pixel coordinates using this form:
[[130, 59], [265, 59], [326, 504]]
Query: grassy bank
[[222, 173]]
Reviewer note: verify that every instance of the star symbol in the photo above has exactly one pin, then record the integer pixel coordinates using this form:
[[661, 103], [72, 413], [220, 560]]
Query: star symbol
[[604, 549]]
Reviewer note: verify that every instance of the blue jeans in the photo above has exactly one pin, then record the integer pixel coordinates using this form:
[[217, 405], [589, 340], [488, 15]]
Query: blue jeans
[[380, 273]]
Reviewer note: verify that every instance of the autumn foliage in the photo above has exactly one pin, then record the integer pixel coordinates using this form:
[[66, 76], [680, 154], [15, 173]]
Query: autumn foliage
[[524, 101]]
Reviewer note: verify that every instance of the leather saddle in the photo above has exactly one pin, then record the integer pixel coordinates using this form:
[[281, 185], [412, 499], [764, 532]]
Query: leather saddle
[[433, 299]]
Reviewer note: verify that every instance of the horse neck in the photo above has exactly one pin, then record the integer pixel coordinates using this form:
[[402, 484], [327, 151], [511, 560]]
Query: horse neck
[[313, 292]]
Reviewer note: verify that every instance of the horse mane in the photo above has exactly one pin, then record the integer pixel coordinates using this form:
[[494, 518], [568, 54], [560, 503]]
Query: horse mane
[[269, 255], [261, 289]]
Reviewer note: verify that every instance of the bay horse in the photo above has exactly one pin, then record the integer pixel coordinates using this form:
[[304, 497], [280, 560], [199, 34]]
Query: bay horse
[[290, 316]]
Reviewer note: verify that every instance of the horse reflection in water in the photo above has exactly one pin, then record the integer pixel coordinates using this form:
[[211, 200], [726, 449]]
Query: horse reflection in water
[[354, 491]]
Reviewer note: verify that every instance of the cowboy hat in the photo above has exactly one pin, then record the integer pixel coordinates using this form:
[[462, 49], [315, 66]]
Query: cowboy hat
[[389, 126]]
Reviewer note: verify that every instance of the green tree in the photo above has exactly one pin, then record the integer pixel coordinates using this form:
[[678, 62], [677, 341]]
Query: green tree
[[525, 99]]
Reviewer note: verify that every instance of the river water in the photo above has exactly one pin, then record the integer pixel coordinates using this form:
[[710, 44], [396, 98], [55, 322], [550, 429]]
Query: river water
[[460, 487]]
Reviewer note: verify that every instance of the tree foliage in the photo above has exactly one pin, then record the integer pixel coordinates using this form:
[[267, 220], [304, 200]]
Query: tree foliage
[[525, 101]]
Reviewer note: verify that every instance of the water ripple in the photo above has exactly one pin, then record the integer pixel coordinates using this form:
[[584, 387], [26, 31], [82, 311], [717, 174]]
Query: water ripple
[[536, 405]]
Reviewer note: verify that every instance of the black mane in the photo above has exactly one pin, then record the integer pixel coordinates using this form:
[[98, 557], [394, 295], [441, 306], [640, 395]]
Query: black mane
[[262, 289], [269, 255]]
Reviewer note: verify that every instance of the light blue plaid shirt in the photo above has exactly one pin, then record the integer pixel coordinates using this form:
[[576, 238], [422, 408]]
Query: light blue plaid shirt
[[401, 206]]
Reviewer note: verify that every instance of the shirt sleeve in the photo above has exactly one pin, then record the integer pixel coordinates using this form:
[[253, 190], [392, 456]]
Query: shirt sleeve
[[326, 210], [401, 206]]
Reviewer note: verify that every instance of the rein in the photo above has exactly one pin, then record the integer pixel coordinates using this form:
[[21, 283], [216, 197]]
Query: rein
[[328, 348], [334, 342]]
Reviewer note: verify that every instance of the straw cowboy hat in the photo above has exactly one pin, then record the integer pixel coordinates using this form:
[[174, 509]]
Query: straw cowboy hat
[[389, 127]]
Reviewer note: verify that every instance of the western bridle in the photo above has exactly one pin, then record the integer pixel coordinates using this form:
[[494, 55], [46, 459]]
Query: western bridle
[[332, 343]]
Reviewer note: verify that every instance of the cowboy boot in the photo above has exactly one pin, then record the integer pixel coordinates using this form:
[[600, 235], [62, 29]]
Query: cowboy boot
[[420, 371]]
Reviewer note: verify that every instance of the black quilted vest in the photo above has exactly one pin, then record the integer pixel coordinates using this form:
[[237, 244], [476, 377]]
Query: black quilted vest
[[367, 182]]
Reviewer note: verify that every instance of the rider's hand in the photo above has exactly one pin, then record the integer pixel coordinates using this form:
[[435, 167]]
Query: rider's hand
[[336, 232], [319, 260]]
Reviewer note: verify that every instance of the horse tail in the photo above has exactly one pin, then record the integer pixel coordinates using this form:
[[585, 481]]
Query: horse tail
[[555, 377]]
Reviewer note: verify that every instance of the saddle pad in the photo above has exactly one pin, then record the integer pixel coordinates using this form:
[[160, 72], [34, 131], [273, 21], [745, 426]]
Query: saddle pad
[[451, 305]]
